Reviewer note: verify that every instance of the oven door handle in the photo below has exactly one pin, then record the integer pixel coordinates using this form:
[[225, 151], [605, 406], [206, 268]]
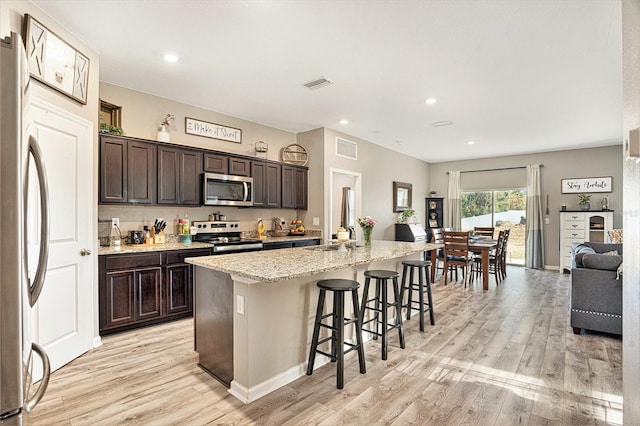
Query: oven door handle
[[237, 247]]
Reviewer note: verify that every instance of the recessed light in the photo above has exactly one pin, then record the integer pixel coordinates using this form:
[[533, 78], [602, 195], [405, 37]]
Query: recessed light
[[170, 57], [344, 122], [399, 142], [471, 142], [442, 123], [431, 101]]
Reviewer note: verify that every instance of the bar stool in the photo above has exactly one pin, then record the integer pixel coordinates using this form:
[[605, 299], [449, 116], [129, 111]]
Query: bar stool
[[423, 281], [338, 321], [382, 306]]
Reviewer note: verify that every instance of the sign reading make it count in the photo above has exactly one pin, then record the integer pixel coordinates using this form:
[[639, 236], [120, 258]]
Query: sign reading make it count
[[580, 185]]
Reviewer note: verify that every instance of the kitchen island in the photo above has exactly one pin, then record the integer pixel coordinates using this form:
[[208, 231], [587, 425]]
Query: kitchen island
[[254, 312]]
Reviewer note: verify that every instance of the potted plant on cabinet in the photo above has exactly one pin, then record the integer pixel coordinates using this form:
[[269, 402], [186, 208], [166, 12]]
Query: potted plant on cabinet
[[584, 201], [406, 214]]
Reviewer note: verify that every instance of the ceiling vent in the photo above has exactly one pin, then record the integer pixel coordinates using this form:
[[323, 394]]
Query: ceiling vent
[[318, 83], [346, 149]]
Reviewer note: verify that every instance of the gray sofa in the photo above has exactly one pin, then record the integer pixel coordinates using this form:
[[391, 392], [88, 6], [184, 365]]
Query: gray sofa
[[596, 289]]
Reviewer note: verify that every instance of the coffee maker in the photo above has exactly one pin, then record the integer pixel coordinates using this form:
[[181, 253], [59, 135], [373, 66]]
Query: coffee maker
[[136, 237]]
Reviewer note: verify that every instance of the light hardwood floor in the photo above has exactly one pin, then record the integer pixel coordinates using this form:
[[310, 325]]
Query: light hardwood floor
[[502, 357]]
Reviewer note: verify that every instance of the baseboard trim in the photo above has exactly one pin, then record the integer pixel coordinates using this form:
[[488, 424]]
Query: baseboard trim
[[248, 395]]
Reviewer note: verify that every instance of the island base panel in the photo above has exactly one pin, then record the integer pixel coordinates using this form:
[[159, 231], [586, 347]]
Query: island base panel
[[213, 323]]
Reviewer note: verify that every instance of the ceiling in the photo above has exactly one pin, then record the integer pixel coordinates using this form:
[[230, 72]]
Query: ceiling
[[514, 76]]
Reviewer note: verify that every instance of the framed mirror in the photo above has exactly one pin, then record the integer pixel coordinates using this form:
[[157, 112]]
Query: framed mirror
[[402, 193]]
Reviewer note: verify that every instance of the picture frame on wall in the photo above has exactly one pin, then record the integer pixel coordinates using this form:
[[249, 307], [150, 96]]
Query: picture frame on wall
[[587, 185], [55, 62]]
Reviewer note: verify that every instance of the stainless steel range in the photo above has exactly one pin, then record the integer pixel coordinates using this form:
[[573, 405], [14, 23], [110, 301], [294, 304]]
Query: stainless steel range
[[226, 236]]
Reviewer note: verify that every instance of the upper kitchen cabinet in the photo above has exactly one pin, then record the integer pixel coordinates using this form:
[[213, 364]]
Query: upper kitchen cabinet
[[127, 171], [267, 181], [179, 176], [294, 187], [225, 164]]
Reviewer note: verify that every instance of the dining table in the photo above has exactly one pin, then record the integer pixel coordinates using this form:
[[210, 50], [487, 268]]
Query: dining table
[[478, 245]]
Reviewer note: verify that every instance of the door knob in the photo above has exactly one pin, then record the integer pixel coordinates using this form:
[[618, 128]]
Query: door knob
[[85, 252]]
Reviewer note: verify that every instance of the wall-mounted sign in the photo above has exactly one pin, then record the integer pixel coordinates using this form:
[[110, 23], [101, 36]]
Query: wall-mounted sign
[[594, 184], [212, 130], [55, 62]]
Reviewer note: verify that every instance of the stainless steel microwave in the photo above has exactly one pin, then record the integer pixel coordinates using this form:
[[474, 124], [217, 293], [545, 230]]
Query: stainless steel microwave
[[227, 190]]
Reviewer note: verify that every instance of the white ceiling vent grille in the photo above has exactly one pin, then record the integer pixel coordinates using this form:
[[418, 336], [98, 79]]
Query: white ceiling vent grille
[[346, 149], [318, 83]]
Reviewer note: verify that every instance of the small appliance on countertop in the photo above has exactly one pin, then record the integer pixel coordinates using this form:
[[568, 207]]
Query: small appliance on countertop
[[226, 236], [136, 237]]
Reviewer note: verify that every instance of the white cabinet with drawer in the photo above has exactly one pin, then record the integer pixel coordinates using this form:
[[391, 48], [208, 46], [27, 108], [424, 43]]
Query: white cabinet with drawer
[[581, 226]]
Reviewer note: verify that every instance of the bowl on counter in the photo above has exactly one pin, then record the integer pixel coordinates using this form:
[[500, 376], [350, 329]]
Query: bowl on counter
[[279, 233]]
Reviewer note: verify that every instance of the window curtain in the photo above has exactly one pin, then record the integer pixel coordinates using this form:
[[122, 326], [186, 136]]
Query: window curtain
[[455, 220], [534, 240]]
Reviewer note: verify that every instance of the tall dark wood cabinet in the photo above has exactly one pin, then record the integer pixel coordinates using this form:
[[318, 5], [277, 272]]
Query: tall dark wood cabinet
[[127, 171], [294, 187], [179, 173], [434, 208], [267, 184]]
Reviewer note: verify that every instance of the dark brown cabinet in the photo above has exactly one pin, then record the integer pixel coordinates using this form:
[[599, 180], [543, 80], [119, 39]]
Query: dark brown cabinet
[[137, 290], [226, 165], [127, 171], [294, 187], [179, 176], [216, 163], [267, 184], [129, 290], [434, 209], [137, 171], [239, 166]]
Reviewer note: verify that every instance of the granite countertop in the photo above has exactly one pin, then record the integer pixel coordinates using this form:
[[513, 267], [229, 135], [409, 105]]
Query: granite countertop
[[142, 248], [305, 261]]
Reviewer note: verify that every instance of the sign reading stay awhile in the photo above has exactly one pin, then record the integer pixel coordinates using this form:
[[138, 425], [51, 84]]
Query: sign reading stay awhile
[[212, 130], [580, 185]]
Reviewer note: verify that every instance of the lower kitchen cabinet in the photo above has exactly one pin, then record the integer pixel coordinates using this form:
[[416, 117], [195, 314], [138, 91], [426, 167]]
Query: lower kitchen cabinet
[[137, 290]]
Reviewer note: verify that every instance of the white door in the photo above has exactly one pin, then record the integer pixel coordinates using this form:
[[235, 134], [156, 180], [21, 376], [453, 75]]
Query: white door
[[63, 320]]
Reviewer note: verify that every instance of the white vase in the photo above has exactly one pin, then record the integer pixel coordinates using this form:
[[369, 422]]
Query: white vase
[[163, 135]]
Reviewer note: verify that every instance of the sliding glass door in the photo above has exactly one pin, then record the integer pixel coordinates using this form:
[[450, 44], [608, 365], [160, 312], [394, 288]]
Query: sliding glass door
[[502, 209]]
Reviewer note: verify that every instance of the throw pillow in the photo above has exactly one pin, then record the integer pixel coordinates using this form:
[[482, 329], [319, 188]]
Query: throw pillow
[[580, 250], [616, 236], [601, 261]]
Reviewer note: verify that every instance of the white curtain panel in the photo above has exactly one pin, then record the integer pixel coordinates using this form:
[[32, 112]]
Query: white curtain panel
[[534, 241], [455, 220]]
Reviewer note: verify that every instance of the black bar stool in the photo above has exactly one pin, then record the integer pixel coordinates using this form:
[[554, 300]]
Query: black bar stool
[[423, 285], [338, 321], [381, 306]]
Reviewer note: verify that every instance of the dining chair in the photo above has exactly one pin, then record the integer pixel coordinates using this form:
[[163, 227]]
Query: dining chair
[[456, 254], [503, 260], [484, 231], [495, 260], [438, 238]]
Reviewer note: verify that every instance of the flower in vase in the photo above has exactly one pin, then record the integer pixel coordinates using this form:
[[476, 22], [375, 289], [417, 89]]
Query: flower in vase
[[366, 222], [167, 120]]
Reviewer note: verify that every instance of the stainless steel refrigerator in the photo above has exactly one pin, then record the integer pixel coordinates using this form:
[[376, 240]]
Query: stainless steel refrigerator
[[18, 292]]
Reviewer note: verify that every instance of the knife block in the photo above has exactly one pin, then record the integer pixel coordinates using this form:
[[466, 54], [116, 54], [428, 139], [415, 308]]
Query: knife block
[[158, 238]]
